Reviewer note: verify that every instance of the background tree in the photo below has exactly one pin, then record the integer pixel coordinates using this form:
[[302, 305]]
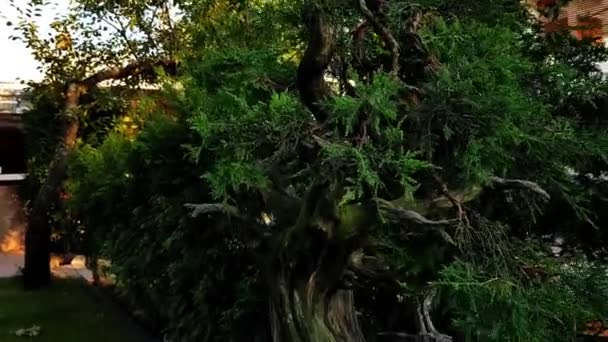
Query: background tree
[[81, 59]]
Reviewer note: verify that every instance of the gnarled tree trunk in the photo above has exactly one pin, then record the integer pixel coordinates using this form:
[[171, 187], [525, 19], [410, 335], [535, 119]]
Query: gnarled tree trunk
[[309, 315], [309, 301]]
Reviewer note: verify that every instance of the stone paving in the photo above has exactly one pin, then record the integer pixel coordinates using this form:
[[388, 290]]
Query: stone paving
[[10, 264], [76, 269]]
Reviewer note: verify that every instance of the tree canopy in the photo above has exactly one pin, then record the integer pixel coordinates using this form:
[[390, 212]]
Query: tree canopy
[[326, 170]]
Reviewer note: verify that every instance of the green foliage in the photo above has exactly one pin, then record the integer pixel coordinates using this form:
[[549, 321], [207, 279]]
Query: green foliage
[[483, 98], [504, 101], [509, 307], [234, 111]]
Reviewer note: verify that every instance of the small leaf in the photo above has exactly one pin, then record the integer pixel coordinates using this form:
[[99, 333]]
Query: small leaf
[[447, 132], [28, 332]]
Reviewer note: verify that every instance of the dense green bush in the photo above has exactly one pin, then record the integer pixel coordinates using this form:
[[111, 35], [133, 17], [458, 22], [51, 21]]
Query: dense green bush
[[179, 272]]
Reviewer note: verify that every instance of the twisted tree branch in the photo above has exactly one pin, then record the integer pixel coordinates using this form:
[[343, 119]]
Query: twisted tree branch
[[405, 215], [521, 184], [412, 216], [498, 183], [311, 71], [358, 34], [384, 33], [144, 68]]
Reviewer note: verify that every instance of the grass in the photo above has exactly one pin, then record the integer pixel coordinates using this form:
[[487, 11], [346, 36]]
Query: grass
[[66, 312]]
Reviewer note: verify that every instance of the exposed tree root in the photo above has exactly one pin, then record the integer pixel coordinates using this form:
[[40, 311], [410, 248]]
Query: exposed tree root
[[426, 323], [427, 331]]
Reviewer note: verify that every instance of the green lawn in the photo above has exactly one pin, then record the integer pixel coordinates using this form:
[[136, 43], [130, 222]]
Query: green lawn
[[67, 312]]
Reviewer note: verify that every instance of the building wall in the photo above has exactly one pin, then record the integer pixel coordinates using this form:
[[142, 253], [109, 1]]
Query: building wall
[[598, 9], [12, 100], [570, 18], [570, 15]]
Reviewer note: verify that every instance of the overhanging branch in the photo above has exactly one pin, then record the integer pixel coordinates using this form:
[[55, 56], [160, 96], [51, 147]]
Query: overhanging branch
[[472, 193], [145, 68], [401, 214]]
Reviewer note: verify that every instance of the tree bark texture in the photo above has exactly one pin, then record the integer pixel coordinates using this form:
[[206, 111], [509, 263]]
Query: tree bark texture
[[308, 302]]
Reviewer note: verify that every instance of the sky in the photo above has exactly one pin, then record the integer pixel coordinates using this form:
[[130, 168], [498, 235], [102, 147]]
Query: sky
[[16, 61]]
